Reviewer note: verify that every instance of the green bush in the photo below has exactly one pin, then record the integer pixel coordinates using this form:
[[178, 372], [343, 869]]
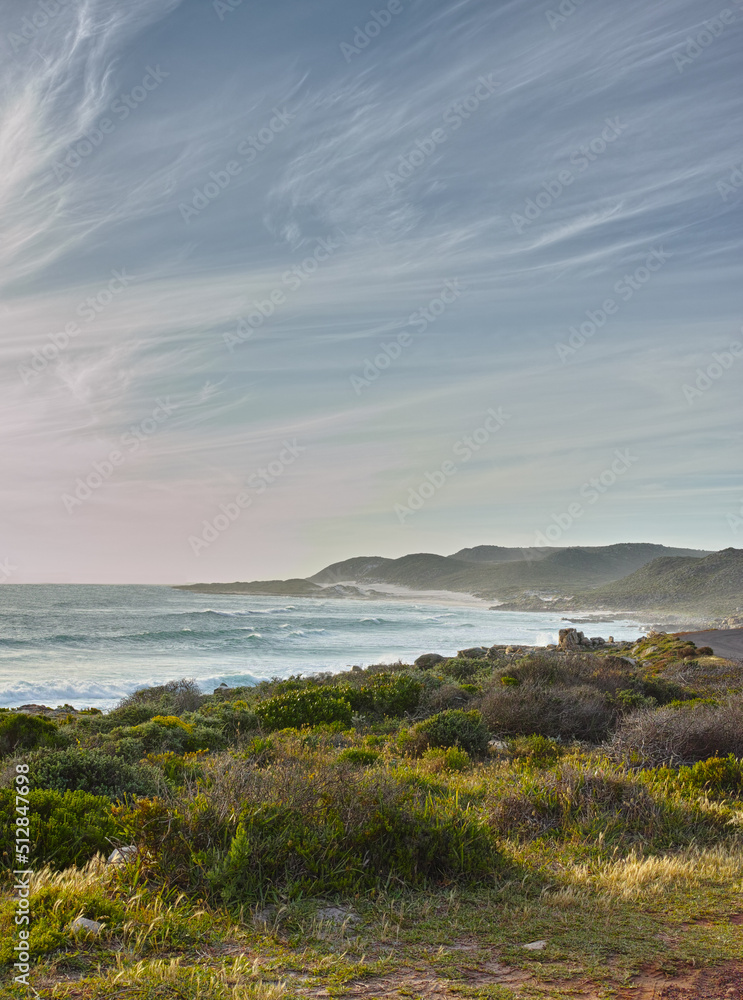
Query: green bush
[[309, 707], [461, 669], [356, 835], [453, 728], [385, 694], [20, 732], [598, 806], [65, 828], [535, 751], [452, 759], [165, 733], [90, 771], [716, 775], [172, 698]]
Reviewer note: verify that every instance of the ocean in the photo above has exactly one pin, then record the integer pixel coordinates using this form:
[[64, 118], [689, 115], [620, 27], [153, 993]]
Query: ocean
[[89, 646]]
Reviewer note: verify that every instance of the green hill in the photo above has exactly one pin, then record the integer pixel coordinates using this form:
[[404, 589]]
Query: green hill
[[712, 585], [495, 572]]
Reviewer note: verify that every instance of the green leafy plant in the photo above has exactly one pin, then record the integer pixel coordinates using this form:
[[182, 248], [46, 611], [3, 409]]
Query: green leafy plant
[[309, 707], [65, 828]]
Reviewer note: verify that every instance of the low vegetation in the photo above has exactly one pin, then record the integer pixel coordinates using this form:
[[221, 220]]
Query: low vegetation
[[499, 799]]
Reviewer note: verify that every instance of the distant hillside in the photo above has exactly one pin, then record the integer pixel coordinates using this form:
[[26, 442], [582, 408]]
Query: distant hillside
[[712, 585], [273, 588], [494, 572]]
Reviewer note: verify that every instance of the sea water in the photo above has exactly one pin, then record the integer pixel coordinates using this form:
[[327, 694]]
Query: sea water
[[89, 646]]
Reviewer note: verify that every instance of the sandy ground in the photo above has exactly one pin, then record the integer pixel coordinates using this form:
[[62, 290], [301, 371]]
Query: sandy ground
[[727, 642]]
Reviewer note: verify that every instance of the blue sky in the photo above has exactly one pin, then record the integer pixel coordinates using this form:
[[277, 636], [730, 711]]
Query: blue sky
[[267, 268]]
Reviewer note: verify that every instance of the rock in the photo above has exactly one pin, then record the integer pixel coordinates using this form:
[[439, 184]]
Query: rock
[[123, 855], [474, 653], [428, 660], [337, 915], [498, 744], [81, 925], [535, 946], [570, 638], [510, 650]]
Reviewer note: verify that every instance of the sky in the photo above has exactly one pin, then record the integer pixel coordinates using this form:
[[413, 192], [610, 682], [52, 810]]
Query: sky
[[284, 283]]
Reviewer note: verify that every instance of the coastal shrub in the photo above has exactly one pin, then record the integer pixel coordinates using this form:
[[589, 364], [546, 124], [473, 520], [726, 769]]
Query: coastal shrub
[[535, 751], [447, 696], [460, 668], [92, 771], [452, 728], [65, 828], [715, 776], [165, 733], [531, 708], [236, 719], [451, 760], [604, 805], [173, 698], [306, 824], [680, 735], [20, 732], [308, 707], [385, 694], [362, 830]]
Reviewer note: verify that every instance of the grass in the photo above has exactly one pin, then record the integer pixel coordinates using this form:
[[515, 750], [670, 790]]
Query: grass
[[480, 849]]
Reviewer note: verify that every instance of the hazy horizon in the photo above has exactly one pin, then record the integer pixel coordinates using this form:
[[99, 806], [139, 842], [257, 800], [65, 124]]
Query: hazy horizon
[[288, 284]]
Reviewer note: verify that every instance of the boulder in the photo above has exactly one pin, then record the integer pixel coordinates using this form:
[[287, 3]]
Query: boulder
[[81, 925], [474, 653], [428, 660], [123, 855], [570, 638]]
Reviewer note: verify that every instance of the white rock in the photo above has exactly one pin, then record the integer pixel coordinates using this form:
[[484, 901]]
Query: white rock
[[81, 925], [123, 855], [535, 945]]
